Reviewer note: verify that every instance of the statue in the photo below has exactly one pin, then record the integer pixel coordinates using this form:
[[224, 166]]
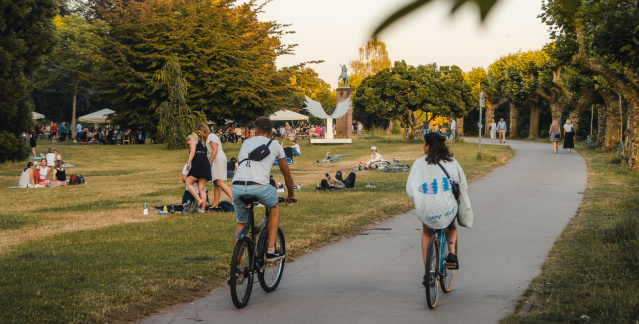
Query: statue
[[344, 75]]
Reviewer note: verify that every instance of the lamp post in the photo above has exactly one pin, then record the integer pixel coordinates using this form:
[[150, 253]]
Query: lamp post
[[482, 100]]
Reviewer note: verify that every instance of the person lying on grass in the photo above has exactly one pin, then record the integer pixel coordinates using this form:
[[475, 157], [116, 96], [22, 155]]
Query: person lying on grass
[[252, 178]]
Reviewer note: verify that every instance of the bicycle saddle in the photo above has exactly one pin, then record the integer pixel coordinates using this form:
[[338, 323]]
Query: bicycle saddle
[[248, 199]]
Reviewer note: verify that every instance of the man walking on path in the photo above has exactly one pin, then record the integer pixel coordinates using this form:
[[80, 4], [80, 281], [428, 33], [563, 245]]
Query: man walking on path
[[501, 127], [453, 128]]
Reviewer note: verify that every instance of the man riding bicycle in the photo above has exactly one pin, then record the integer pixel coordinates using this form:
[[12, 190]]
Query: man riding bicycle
[[256, 156]]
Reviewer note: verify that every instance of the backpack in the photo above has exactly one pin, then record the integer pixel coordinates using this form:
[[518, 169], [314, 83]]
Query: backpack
[[76, 179], [226, 206]]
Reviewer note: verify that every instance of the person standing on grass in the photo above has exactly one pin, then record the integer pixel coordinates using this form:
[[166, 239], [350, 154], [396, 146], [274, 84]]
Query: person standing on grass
[[569, 134], [199, 170], [217, 159], [501, 128], [493, 130], [555, 135], [453, 128], [63, 132], [430, 189], [252, 178], [54, 131], [32, 142]]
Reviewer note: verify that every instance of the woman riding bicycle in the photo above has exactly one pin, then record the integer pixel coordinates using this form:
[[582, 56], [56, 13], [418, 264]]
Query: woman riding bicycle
[[430, 188]]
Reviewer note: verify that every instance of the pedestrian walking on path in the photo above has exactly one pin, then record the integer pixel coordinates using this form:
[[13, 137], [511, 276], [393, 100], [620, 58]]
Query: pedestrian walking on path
[[501, 128], [569, 133], [493, 130], [555, 135]]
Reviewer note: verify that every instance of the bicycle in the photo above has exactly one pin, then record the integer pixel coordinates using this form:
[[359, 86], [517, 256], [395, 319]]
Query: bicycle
[[438, 272], [332, 159], [249, 257], [395, 167]]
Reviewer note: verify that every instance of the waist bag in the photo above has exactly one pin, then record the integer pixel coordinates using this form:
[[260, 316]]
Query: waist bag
[[258, 154]]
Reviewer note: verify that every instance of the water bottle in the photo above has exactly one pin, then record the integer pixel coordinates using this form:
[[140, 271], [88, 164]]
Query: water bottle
[[146, 210]]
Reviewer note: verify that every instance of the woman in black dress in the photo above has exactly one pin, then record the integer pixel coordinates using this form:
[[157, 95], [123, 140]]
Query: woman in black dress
[[199, 170], [569, 133]]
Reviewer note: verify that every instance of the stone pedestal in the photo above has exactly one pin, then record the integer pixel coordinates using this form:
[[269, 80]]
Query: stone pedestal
[[344, 125]]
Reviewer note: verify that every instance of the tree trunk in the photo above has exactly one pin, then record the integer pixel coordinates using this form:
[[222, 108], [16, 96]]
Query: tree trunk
[[460, 126], [514, 121], [75, 96], [389, 129], [373, 129], [535, 111], [628, 90], [601, 125], [582, 103], [613, 124]]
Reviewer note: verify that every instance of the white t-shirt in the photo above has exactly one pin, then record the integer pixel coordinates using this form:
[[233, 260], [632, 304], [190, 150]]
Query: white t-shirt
[[213, 138], [375, 157], [568, 128], [186, 172], [257, 171], [297, 148], [453, 124], [50, 159]]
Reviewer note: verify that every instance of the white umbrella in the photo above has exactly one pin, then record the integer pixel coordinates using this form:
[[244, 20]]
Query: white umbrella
[[98, 117], [37, 115], [287, 115]]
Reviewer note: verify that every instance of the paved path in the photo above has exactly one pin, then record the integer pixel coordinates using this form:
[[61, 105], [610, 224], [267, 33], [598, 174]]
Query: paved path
[[520, 209]]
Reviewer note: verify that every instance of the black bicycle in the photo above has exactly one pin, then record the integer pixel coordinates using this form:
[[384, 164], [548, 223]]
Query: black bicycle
[[249, 257]]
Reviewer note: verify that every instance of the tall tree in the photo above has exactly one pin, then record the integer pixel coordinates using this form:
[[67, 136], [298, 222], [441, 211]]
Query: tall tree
[[601, 36], [373, 57], [72, 64], [402, 91], [26, 34], [227, 56], [176, 120]]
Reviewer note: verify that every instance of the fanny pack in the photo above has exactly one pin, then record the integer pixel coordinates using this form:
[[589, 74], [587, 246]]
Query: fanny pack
[[258, 154], [453, 184]]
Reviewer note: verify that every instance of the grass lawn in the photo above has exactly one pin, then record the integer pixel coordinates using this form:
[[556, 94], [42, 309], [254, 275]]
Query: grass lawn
[[87, 254], [592, 272]]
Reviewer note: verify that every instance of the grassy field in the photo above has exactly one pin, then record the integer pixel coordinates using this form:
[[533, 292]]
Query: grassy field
[[87, 254], [592, 272]]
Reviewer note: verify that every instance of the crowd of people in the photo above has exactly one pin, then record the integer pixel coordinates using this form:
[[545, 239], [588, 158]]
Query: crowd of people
[[48, 172]]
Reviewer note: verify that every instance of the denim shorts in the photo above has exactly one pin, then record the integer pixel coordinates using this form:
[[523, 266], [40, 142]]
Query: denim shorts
[[266, 195]]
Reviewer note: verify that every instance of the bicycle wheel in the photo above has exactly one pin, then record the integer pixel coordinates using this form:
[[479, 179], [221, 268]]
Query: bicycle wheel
[[432, 263], [447, 279], [241, 279], [381, 165], [271, 272], [396, 169]]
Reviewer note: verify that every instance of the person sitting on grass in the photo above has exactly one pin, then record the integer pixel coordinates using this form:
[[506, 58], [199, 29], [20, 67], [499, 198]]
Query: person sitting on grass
[[59, 175], [26, 178], [252, 178], [374, 158], [296, 148]]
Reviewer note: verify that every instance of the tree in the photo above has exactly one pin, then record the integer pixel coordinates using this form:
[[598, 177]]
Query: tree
[[404, 90], [598, 36], [227, 56], [373, 57], [26, 34], [176, 120], [72, 64]]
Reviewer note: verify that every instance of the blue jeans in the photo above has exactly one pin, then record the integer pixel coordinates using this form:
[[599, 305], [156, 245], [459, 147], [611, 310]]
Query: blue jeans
[[266, 195]]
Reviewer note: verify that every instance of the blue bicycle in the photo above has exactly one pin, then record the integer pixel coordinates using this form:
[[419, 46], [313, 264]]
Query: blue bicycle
[[439, 272]]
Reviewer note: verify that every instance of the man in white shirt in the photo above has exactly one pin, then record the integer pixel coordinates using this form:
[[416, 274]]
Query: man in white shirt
[[252, 178], [453, 128], [296, 149], [238, 134]]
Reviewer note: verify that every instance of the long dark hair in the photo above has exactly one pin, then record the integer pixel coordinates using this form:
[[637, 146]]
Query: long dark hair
[[29, 164], [437, 149]]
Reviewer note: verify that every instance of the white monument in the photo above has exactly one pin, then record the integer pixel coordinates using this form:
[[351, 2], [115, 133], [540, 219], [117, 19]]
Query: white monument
[[315, 108]]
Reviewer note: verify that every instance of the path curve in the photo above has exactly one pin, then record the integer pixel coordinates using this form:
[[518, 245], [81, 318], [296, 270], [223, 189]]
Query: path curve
[[520, 209]]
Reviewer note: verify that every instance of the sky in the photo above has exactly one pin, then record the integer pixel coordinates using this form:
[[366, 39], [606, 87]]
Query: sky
[[333, 31]]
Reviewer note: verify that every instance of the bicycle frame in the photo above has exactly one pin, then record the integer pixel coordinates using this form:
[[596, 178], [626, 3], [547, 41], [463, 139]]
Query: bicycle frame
[[442, 250], [256, 246]]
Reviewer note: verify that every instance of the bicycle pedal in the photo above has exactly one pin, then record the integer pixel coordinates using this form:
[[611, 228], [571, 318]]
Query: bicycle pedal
[[452, 266]]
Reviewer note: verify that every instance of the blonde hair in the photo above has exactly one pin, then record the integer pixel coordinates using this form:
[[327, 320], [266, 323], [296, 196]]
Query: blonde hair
[[568, 121], [192, 137], [554, 123], [204, 129]]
